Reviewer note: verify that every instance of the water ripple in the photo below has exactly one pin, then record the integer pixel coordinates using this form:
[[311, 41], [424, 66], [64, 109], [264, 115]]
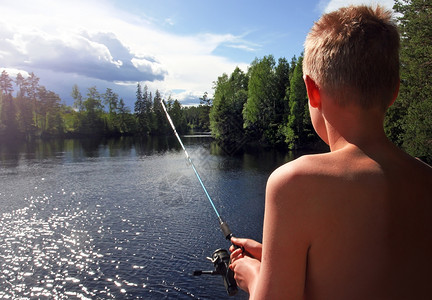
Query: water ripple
[[45, 257]]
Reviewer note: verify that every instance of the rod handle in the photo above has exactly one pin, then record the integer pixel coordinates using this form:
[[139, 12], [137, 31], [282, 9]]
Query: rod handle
[[227, 232]]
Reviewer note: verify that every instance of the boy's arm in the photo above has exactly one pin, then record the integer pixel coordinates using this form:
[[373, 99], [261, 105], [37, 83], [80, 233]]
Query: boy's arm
[[286, 239]]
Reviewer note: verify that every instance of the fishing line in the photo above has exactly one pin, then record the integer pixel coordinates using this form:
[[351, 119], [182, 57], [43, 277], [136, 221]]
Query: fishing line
[[191, 163]]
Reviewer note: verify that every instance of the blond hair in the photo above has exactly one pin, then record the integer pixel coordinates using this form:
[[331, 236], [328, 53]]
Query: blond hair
[[353, 54]]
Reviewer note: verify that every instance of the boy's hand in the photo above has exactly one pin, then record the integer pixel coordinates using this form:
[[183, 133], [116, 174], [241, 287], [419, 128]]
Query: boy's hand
[[245, 270], [246, 246]]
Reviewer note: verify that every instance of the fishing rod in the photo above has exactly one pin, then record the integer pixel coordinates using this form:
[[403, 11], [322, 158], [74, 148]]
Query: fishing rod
[[220, 257], [223, 225]]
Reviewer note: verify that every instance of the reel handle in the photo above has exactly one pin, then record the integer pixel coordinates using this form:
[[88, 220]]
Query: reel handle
[[221, 261]]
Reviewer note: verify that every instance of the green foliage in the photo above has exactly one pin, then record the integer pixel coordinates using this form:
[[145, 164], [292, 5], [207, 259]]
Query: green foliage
[[418, 130], [160, 125], [143, 110], [49, 121], [272, 100], [266, 110], [204, 112], [268, 104], [37, 112], [297, 120], [226, 121], [197, 118], [276, 109], [259, 109], [111, 99], [34, 111], [220, 106], [408, 123], [76, 95], [125, 122], [8, 126], [176, 113], [5, 84]]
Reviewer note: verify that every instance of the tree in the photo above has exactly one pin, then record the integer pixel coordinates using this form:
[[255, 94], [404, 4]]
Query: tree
[[282, 84], [296, 129], [143, 110], [281, 106], [111, 100], [204, 112], [176, 114], [139, 108], [6, 104], [5, 83], [24, 108], [92, 122], [192, 115], [293, 64], [31, 85], [125, 119], [76, 95], [37, 111], [49, 112], [8, 126], [259, 110], [139, 98], [148, 107], [226, 114], [413, 107], [20, 83], [93, 103], [159, 122]]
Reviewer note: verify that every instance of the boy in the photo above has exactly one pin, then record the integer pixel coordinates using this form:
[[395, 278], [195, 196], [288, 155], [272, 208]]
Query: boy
[[354, 223]]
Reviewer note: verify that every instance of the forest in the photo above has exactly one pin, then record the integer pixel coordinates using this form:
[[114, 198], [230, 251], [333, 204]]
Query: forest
[[266, 104], [35, 112]]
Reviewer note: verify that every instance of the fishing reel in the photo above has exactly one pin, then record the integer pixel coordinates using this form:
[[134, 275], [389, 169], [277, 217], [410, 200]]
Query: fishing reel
[[221, 261]]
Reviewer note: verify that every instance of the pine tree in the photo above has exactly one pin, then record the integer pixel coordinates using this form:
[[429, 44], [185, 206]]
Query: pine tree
[[8, 125], [5, 83], [159, 123], [24, 108]]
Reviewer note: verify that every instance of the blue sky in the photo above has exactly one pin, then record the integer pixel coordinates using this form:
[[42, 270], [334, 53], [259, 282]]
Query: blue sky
[[178, 47]]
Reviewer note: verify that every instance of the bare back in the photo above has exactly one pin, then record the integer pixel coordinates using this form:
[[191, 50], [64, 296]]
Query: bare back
[[371, 225]]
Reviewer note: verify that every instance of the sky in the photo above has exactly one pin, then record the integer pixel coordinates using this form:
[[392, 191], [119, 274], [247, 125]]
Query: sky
[[179, 47]]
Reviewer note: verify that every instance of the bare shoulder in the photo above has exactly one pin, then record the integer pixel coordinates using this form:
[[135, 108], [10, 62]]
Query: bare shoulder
[[352, 173], [304, 169], [296, 185], [293, 188]]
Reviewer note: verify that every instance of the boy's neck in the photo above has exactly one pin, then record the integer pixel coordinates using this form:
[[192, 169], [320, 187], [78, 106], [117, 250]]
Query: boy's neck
[[354, 126]]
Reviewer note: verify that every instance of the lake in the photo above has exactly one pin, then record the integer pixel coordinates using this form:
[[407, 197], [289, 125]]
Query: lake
[[123, 218]]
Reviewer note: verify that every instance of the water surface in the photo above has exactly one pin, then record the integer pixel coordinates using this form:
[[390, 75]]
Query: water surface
[[123, 218]]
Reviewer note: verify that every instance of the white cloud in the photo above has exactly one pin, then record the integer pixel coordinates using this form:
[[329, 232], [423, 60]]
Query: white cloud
[[336, 4], [12, 72], [92, 40], [96, 55]]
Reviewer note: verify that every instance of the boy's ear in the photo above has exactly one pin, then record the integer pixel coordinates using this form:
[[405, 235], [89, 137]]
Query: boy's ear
[[313, 92], [396, 93]]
